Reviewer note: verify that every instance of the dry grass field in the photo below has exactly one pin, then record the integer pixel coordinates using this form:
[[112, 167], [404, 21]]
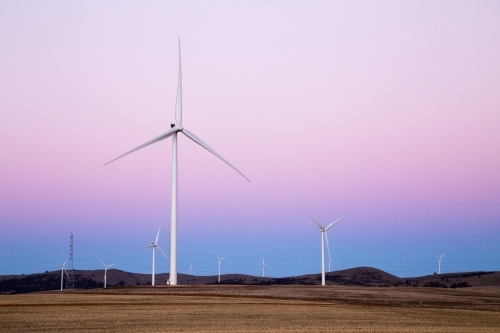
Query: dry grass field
[[244, 309]]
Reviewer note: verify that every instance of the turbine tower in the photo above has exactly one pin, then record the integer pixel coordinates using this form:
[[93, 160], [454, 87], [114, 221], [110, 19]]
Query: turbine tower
[[105, 269], [174, 129], [440, 262], [263, 267], [154, 246], [219, 258], [323, 233]]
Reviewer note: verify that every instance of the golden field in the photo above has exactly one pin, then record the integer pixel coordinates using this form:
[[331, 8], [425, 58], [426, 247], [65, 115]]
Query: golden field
[[253, 309]]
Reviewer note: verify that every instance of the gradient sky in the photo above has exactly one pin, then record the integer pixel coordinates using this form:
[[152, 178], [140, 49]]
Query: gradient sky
[[389, 109]]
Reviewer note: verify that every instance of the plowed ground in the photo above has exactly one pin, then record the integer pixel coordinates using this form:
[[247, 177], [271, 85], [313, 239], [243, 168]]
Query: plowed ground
[[84, 312]]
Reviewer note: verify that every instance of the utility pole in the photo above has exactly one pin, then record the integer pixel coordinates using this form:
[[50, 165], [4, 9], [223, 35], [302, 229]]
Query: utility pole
[[70, 281]]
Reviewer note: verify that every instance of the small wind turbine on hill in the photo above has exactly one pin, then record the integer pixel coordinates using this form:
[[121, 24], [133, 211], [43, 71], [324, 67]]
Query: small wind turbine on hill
[[155, 246], [440, 262], [263, 267], [219, 259], [191, 269], [63, 270], [323, 233], [105, 269], [330, 260], [174, 129]]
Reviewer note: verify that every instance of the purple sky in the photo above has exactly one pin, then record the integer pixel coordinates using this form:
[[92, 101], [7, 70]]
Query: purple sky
[[388, 109]]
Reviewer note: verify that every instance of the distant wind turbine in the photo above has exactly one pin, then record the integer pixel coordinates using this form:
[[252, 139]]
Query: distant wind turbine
[[330, 260], [263, 267], [219, 258], [63, 270], [105, 269], [323, 233], [155, 246], [191, 269], [174, 129], [440, 262]]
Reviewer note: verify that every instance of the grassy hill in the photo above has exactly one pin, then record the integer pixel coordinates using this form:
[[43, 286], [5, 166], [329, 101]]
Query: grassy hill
[[359, 276]]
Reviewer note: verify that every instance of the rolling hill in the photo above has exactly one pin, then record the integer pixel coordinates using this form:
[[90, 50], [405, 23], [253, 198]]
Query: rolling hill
[[359, 276]]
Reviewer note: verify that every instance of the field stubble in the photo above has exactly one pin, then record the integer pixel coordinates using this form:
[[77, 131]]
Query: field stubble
[[209, 309]]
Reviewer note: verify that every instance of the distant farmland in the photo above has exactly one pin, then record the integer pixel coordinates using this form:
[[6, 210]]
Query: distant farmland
[[254, 309]]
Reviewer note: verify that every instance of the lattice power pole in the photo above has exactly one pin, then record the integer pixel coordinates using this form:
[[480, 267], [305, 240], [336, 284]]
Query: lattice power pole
[[70, 281]]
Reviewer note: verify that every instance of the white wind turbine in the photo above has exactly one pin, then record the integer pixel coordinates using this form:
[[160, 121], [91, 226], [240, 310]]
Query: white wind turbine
[[263, 267], [440, 262], [105, 269], [219, 258], [174, 129], [191, 269], [323, 233], [155, 246], [330, 260], [63, 270]]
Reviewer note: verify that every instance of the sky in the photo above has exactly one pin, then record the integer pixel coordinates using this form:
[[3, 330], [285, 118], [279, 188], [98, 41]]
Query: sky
[[387, 109]]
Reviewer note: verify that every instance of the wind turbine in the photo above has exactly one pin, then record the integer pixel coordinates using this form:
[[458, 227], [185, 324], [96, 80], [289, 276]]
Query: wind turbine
[[323, 233], [439, 261], [263, 267], [219, 258], [155, 246], [62, 273], [105, 269], [330, 260], [174, 129], [191, 269]]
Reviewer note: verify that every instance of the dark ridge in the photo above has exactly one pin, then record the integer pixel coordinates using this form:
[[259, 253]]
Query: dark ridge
[[359, 276]]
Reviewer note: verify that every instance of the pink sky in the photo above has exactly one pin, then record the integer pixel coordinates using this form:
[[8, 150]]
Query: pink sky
[[388, 109]]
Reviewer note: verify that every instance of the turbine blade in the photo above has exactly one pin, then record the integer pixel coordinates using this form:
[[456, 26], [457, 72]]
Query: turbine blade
[[178, 103], [110, 265], [160, 137], [319, 224], [101, 261], [204, 145], [327, 245], [216, 255], [157, 235], [333, 223], [159, 248], [65, 262], [223, 258]]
